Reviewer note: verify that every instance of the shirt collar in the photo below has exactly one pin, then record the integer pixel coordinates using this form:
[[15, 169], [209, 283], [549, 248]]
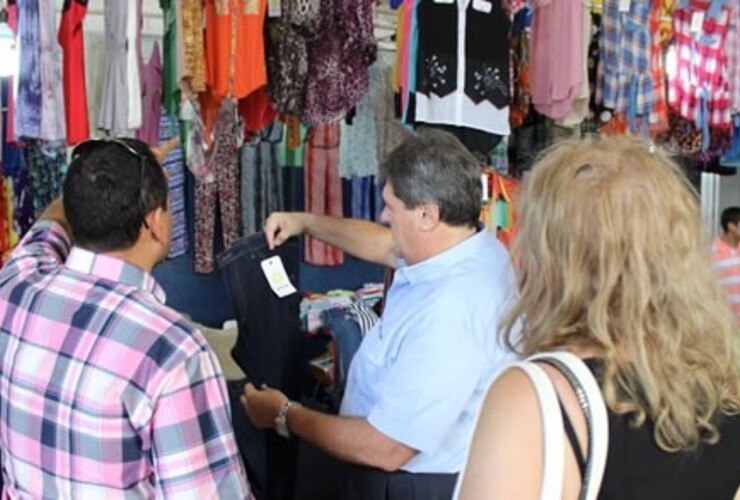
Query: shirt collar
[[442, 263], [111, 268]]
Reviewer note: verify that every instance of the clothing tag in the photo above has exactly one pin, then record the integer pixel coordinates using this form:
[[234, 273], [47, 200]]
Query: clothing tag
[[484, 186], [277, 277], [251, 7], [273, 8], [187, 112], [483, 6], [624, 5], [697, 22], [222, 7], [444, 1]]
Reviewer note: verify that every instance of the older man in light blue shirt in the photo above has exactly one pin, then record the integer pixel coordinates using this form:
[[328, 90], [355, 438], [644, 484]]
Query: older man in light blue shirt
[[417, 382]]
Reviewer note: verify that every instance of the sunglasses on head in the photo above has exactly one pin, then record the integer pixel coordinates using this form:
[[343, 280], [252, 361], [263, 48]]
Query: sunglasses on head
[[89, 146]]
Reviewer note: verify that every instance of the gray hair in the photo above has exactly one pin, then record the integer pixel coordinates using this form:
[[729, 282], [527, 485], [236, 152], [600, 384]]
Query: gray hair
[[434, 167]]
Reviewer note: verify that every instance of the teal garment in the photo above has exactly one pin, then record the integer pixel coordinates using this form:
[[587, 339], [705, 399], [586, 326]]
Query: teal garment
[[293, 157]]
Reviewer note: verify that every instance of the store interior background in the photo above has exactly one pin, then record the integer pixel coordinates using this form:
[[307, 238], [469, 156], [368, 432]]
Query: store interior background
[[203, 297]]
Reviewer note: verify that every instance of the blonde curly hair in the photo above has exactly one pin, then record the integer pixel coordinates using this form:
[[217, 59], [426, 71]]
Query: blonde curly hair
[[612, 256]]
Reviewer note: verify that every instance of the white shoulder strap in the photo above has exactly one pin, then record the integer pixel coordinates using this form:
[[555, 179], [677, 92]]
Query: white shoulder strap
[[596, 415], [552, 427]]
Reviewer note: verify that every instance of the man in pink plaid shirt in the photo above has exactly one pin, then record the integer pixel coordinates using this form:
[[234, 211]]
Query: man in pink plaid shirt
[[104, 391]]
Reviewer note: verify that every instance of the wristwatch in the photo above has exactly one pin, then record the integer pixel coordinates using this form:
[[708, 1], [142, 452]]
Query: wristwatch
[[281, 421]]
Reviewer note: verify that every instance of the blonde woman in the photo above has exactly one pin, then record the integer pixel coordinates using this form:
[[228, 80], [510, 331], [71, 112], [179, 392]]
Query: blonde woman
[[615, 269]]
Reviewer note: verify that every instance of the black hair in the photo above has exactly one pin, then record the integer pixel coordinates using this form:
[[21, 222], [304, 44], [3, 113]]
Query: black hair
[[110, 187], [730, 215]]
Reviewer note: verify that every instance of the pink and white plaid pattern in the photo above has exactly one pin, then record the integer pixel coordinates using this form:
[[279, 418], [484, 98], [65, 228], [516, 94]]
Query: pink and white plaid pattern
[[104, 391], [732, 51], [701, 63]]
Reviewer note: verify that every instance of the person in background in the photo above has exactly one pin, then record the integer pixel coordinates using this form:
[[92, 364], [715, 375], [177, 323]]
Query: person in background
[[726, 256], [616, 270], [419, 376], [105, 392]]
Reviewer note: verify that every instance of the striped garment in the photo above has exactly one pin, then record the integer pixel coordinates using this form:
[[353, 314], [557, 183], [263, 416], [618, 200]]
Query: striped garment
[[173, 163], [727, 265], [104, 391]]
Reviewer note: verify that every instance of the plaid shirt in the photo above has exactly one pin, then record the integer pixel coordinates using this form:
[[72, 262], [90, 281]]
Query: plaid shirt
[[732, 51], [104, 391], [625, 53], [701, 64]]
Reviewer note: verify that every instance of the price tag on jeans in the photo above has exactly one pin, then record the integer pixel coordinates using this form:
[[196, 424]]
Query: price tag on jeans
[[277, 277], [483, 6], [624, 5]]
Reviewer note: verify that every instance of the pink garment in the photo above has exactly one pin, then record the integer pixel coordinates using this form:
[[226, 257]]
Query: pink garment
[[556, 56], [732, 51], [53, 126], [403, 68], [151, 98], [323, 188]]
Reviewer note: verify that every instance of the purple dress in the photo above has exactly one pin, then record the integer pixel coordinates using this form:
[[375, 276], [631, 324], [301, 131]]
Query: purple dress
[[28, 101], [151, 98]]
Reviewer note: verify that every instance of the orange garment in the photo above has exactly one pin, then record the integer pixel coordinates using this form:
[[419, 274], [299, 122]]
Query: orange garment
[[659, 114], [235, 47], [235, 53], [498, 213], [400, 47], [616, 126]]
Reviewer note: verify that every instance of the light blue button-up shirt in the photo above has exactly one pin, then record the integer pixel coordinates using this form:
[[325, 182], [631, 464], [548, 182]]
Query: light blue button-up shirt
[[421, 373]]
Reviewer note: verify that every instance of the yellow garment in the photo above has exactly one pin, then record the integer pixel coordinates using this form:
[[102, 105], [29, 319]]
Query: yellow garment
[[192, 39], [666, 22], [13, 235]]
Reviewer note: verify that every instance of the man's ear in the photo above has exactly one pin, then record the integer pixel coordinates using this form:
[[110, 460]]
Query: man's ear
[[157, 226], [429, 216], [160, 152]]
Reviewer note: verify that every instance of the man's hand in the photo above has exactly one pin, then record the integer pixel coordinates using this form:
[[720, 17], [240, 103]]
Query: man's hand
[[262, 406], [280, 226]]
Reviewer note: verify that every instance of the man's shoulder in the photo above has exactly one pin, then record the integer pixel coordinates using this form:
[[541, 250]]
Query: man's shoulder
[[155, 332]]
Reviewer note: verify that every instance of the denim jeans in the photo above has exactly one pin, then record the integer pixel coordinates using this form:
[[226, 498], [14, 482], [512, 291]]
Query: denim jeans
[[268, 347]]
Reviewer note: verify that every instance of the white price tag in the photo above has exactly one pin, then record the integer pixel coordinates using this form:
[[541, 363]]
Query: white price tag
[[624, 5], [274, 8], [277, 277], [697, 22], [483, 6]]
